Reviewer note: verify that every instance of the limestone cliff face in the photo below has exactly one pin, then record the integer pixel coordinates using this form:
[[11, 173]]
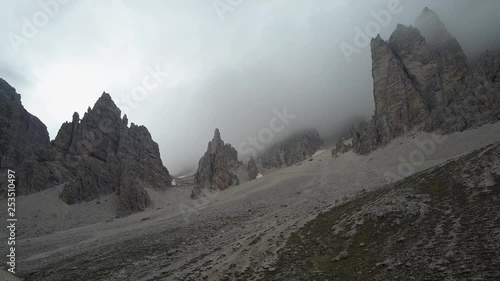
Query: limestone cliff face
[[421, 80], [398, 104], [21, 133], [216, 169], [93, 156], [296, 148]]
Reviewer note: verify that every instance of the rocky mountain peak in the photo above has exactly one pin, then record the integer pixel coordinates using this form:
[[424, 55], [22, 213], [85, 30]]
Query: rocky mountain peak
[[404, 33], [93, 156], [216, 142], [217, 168], [433, 28], [448, 52], [252, 169], [105, 100], [22, 135], [125, 120], [76, 117], [8, 91], [104, 107], [421, 80], [216, 135]]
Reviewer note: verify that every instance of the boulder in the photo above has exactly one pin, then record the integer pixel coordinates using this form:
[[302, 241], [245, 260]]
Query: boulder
[[111, 158], [93, 156]]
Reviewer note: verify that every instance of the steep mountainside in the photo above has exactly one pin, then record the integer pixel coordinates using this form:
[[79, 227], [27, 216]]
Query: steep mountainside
[[291, 151], [421, 80], [441, 224], [22, 135], [92, 157]]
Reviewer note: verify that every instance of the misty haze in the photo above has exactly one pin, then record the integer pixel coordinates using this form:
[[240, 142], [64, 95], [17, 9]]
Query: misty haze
[[250, 140]]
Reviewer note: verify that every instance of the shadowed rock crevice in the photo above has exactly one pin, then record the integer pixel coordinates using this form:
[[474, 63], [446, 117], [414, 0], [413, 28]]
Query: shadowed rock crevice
[[22, 139]]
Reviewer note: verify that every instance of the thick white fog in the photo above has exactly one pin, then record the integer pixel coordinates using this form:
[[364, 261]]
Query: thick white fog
[[184, 68]]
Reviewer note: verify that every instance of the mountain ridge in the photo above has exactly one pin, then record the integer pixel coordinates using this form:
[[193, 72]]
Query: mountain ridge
[[94, 156], [419, 85]]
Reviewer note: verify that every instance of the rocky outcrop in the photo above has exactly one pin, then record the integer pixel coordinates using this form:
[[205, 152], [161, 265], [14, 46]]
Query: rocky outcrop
[[341, 147], [295, 149], [420, 65], [93, 156], [452, 62], [217, 168], [22, 135], [252, 169], [488, 68], [91, 181], [421, 80], [110, 157]]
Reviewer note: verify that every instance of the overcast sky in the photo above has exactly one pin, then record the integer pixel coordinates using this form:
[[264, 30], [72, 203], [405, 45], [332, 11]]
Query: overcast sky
[[183, 68]]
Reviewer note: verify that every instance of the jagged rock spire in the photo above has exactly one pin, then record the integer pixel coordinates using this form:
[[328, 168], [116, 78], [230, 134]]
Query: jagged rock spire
[[216, 169], [95, 155], [448, 51], [252, 169]]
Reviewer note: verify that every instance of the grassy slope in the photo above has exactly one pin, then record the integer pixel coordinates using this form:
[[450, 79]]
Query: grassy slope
[[442, 224]]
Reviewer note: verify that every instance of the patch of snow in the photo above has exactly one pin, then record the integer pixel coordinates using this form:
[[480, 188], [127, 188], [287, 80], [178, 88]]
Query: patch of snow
[[173, 183], [259, 176], [318, 152], [348, 142]]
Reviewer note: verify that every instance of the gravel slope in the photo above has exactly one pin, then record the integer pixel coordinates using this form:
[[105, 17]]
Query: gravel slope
[[233, 235]]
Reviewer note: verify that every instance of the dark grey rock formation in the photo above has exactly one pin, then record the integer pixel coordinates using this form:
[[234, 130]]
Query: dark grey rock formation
[[252, 169], [341, 147], [91, 181], [111, 157], [93, 156], [452, 62], [22, 136], [421, 80], [295, 149], [217, 168]]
